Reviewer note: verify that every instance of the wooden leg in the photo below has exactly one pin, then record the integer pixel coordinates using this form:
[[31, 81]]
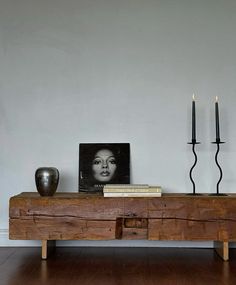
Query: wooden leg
[[222, 248], [45, 246]]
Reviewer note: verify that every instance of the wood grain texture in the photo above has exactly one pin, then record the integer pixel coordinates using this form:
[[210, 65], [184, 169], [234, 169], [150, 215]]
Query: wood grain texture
[[178, 229], [79, 206], [63, 228], [71, 216]]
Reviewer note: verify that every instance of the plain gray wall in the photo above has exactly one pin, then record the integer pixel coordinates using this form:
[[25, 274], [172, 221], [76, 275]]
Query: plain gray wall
[[116, 71]]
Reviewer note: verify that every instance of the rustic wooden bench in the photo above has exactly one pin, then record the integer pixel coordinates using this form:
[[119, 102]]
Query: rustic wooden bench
[[76, 216]]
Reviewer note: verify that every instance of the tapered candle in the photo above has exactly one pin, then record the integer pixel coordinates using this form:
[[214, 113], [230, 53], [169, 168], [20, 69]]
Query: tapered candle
[[217, 120], [193, 121]]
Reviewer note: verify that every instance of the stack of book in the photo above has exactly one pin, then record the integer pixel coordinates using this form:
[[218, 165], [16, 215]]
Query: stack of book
[[131, 190]]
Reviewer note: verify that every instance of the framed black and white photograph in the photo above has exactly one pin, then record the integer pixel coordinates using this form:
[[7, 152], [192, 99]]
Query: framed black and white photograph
[[103, 163]]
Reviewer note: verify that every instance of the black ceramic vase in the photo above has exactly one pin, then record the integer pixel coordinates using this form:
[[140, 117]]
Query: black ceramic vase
[[46, 179]]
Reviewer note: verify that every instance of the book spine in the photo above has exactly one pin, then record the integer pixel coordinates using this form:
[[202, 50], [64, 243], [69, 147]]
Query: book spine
[[132, 190]]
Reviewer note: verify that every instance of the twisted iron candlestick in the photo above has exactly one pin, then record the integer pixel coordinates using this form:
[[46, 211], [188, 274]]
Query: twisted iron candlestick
[[218, 142], [193, 143]]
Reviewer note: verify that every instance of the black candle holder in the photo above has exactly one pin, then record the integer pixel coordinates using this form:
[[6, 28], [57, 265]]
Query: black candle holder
[[193, 143], [218, 142]]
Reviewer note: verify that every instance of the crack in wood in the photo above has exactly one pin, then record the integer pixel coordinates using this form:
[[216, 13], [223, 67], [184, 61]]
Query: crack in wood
[[95, 219], [194, 220]]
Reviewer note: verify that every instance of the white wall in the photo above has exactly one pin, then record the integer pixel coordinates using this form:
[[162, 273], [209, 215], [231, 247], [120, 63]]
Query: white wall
[[116, 71]]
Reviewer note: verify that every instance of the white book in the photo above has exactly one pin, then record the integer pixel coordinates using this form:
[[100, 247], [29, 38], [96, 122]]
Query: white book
[[132, 194], [151, 189]]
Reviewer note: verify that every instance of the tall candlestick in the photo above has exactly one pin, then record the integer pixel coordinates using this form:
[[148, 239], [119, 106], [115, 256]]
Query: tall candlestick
[[193, 143], [217, 120], [193, 121]]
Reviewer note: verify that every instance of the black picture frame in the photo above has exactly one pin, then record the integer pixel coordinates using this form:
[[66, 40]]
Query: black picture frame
[[103, 163]]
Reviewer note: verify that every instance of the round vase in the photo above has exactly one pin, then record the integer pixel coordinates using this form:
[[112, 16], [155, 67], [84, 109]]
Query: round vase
[[46, 179]]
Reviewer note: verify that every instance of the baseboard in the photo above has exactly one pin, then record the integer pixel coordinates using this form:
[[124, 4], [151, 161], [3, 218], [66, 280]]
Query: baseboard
[[136, 243], [5, 241]]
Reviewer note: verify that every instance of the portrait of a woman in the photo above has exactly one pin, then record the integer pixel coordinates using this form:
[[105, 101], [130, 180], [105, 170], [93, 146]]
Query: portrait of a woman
[[101, 164]]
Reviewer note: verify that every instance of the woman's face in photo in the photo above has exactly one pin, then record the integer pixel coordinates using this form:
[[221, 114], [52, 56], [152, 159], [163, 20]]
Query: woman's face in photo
[[104, 165]]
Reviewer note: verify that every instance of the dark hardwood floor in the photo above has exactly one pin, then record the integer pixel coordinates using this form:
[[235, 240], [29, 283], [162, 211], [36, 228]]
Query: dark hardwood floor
[[116, 266]]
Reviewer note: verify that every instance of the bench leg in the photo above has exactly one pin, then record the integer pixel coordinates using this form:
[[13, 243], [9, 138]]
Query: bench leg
[[222, 248], [46, 244]]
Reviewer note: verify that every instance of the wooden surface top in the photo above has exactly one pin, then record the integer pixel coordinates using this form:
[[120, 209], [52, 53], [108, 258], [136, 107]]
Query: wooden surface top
[[74, 195]]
